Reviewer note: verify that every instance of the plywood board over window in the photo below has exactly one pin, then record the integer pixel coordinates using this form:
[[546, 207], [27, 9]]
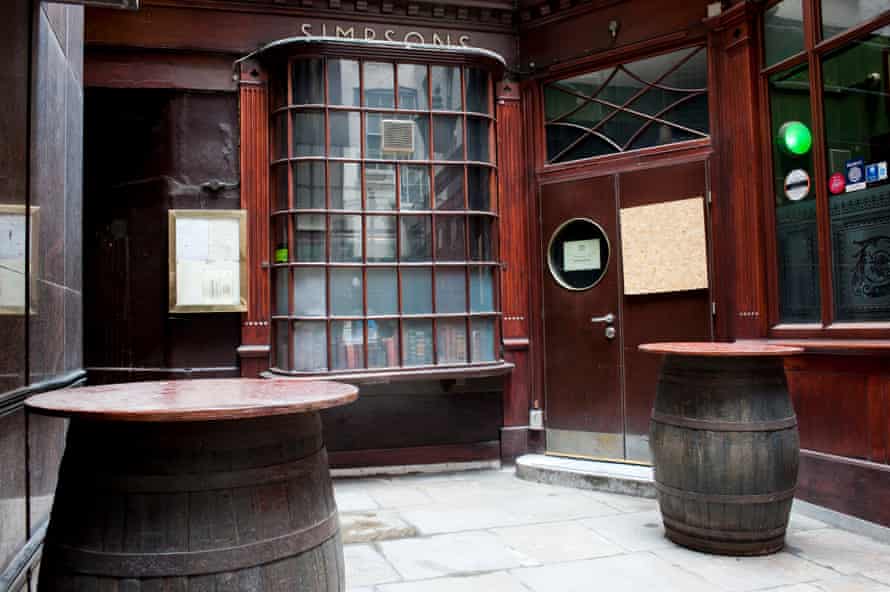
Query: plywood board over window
[[664, 247]]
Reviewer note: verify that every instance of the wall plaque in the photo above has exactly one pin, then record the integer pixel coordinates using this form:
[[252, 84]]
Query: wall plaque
[[208, 260], [664, 247], [13, 252]]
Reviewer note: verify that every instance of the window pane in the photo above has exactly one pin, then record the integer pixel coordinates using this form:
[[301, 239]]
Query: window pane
[[451, 290], [478, 96], [796, 233], [449, 137], [449, 184], [415, 189], [310, 347], [282, 282], [281, 349], [310, 292], [446, 89], [840, 15], [482, 331], [308, 133], [383, 343], [857, 128], [279, 186], [310, 237], [278, 89], [346, 185], [346, 239], [309, 185], [397, 137], [379, 85], [450, 238], [381, 239], [480, 239], [481, 289], [346, 292], [478, 140], [413, 91], [451, 341], [343, 85], [383, 291], [418, 342], [783, 31], [280, 139], [416, 238], [479, 181], [346, 134], [347, 345], [280, 239], [308, 82], [381, 183], [417, 291]]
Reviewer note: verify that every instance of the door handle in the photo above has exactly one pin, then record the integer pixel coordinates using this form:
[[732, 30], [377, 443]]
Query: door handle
[[609, 319]]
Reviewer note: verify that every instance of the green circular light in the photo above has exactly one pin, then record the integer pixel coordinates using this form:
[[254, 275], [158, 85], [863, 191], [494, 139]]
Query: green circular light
[[796, 138]]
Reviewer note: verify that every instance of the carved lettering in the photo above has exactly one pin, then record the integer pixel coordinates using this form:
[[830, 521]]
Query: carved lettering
[[414, 35], [437, 39], [370, 34], [389, 35], [464, 40], [346, 33], [306, 28]]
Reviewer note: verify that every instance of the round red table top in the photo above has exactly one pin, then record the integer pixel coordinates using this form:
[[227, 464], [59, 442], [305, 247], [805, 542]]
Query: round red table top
[[193, 400], [713, 349]]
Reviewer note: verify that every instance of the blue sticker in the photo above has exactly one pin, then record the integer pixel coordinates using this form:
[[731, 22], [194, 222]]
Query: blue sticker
[[855, 171], [871, 173]]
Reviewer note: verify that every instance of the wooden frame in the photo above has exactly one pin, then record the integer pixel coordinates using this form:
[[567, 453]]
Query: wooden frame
[[243, 280], [815, 48], [32, 235]]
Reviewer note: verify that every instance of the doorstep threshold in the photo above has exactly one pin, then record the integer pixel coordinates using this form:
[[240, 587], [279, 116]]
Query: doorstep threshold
[[625, 479]]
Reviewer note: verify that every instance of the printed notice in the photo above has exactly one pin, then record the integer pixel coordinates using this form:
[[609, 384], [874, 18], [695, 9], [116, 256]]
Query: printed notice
[[582, 255], [13, 238]]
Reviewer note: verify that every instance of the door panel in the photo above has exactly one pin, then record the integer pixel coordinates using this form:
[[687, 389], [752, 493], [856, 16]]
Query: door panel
[[582, 366]]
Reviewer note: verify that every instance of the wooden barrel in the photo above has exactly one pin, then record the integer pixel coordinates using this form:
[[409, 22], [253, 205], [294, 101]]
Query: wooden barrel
[[241, 505], [725, 450]]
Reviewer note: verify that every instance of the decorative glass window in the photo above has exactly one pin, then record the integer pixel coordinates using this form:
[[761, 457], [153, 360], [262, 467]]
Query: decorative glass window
[[384, 217], [651, 102]]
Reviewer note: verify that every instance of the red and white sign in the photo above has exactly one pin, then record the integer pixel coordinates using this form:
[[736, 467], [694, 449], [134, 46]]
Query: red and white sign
[[837, 183]]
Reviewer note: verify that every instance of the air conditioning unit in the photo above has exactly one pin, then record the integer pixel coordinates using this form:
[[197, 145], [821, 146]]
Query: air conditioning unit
[[398, 136]]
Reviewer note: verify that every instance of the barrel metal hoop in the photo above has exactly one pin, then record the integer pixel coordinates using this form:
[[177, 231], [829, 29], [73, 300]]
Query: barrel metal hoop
[[150, 565], [724, 426], [722, 498], [733, 535], [187, 483]]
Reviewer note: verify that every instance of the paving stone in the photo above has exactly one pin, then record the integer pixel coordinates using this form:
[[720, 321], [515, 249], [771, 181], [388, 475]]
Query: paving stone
[[366, 567], [353, 500], [624, 503], [366, 527], [850, 584], [443, 518], [397, 496], [634, 572], [556, 507], [880, 574], [842, 551], [494, 582], [748, 573], [640, 531], [801, 523], [556, 542], [451, 554]]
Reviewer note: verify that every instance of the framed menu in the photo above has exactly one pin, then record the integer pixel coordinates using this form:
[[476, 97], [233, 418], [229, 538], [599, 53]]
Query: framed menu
[[14, 250], [208, 261]]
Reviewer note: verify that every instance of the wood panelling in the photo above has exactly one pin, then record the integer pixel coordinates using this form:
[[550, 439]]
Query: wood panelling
[[152, 69], [846, 485]]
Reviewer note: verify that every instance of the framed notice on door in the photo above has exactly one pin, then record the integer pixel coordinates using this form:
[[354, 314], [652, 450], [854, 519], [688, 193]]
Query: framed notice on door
[[208, 261]]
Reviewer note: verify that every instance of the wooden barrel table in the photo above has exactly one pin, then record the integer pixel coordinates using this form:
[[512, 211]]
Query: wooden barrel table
[[194, 485], [725, 446]]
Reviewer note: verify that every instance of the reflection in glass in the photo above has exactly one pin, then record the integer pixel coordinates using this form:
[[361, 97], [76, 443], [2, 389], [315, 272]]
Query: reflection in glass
[[279, 137], [308, 133], [346, 185], [407, 137], [308, 82], [481, 289], [417, 291], [381, 183], [416, 238], [446, 89], [346, 134], [381, 239], [480, 239], [451, 290], [279, 185], [310, 349], [478, 140], [309, 185], [415, 187], [417, 339], [281, 345], [479, 184], [478, 93], [782, 31], [383, 291], [840, 15], [482, 344], [279, 239], [413, 93], [450, 238], [449, 182], [347, 345], [451, 341], [379, 85], [278, 90], [383, 343], [346, 239], [343, 83], [346, 292], [310, 237], [282, 283], [448, 141], [310, 292]]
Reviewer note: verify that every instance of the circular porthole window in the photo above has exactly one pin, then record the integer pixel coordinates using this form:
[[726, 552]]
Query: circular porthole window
[[578, 254]]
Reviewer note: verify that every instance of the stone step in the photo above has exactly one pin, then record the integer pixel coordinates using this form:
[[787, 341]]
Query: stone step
[[627, 479]]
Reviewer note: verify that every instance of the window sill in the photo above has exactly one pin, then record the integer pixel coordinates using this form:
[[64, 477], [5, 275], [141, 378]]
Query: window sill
[[403, 375]]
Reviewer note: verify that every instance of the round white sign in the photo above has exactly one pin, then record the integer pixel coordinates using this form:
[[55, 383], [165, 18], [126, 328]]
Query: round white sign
[[797, 185]]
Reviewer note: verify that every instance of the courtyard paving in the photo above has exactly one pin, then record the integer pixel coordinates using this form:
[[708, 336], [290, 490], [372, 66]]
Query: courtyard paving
[[488, 531]]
